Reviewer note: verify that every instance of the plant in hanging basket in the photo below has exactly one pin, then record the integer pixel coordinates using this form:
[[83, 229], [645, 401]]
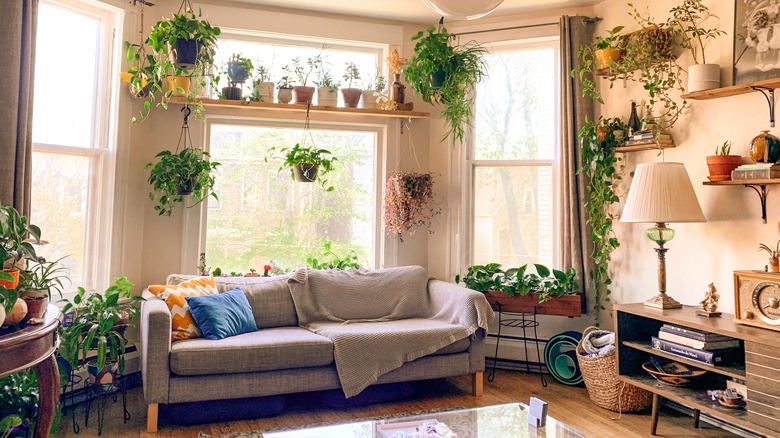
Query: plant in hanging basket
[[446, 74], [306, 163], [409, 203], [177, 174]]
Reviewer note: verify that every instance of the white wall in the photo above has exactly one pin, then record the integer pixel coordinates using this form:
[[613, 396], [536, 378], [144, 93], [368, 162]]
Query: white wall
[[704, 252]]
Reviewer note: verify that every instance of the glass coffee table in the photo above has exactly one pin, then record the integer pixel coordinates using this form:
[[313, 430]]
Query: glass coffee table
[[501, 421]]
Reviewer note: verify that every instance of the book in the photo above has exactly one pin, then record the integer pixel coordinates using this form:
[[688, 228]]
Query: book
[[754, 166], [713, 357], [668, 142], [697, 344], [693, 333], [766, 173]]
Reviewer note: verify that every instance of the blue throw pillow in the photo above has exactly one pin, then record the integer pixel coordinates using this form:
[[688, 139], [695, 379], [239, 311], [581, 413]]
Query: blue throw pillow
[[222, 315]]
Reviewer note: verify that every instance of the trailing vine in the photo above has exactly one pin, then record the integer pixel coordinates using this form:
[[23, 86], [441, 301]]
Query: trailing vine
[[601, 165]]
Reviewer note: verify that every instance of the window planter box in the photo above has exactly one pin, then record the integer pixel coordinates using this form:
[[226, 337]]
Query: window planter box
[[567, 305]]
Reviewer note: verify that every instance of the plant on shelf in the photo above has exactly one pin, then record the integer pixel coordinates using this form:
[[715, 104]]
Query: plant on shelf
[[610, 48], [297, 69], [774, 256], [325, 79], [99, 321], [237, 71], [262, 86], [183, 45], [722, 163], [446, 74], [334, 261], [351, 95], [688, 19], [17, 236], [327, 93], [306, 163], [39, 280], [409, 203]]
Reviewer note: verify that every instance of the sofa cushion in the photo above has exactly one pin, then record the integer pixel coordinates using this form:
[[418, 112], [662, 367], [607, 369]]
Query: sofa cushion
[[182, 323], [267, 349], [456, 347], [222, 315]]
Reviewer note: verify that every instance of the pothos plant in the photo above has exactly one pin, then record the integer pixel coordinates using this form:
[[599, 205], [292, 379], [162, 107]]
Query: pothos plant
[[178, 174], [518, 281], [409, 203], [314, 163], [447, 74]]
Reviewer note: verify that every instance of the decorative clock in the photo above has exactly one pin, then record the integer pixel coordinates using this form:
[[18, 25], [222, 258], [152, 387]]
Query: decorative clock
[[757, 299]]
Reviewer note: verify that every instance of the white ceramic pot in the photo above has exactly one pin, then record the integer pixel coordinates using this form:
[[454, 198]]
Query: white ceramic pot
[[367, 100], [266, 91], [327, 96], [703, 77]]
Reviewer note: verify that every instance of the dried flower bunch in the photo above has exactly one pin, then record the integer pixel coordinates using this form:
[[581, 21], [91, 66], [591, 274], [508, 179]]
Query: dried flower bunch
[[409, 203]]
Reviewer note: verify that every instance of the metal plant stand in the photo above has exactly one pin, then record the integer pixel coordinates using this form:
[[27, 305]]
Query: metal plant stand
[[96, 393], [527, 322]]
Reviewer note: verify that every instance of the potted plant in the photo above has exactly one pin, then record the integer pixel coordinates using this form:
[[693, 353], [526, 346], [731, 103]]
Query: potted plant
[[327, 88], [372, 88], [446, 74], [237, 70], [19, 397], [688, 19], [184, 46], [330, 260], [721, 164], [609, 49], [546, 292], [303, 93], [176, 175], [37, 283], [284, 93], [774, 256], [351, 95], [99, 321], [16, 238], [307, 163], [409, 203], [262, 87]]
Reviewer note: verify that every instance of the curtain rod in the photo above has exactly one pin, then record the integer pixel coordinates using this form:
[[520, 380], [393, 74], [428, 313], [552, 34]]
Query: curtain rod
[[527, 26]]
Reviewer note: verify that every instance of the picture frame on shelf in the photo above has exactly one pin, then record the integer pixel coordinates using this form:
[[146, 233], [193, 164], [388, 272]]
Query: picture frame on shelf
[[756, 47]]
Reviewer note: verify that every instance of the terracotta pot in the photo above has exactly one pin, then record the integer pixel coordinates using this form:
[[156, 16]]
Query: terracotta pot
[[567, 305], [302, 94], [351, 96], [36, 307], [13, 283], [605, 57], [720, 166], [305, 172]]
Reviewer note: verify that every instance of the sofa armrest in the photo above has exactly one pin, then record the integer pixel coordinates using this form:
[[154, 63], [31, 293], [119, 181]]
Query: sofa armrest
[[155, 348], [459, 305]]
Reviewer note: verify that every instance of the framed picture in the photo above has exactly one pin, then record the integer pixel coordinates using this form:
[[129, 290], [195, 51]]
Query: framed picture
[[756, 40]]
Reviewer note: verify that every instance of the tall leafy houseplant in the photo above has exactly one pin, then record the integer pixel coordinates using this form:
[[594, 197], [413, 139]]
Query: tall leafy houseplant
[[178, 174], [168, 39], [16, 238], [442, 73]]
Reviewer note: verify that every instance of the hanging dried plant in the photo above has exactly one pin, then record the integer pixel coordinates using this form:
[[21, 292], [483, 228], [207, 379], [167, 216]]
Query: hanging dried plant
[[409, 203]]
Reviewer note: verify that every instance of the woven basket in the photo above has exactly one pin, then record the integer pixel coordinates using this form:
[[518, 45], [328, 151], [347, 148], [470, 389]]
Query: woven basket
[[604, 388]]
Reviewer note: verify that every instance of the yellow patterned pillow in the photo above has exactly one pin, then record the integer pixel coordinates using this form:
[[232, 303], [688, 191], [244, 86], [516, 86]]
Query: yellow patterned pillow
[[182, 324]]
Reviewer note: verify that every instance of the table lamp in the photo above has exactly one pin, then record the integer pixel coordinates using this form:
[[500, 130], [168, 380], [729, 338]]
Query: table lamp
[[661, 193]]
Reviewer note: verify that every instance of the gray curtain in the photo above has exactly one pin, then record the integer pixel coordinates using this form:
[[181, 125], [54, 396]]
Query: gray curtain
[[17, 44], [574, 233]]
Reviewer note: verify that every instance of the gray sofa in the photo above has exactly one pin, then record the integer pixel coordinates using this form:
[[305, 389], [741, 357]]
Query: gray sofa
[[281, 357]]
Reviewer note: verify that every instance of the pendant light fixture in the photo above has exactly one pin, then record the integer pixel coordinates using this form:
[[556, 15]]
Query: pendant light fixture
[[463, 9]]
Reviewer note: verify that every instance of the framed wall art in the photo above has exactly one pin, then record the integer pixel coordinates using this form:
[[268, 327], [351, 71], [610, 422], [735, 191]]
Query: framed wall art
[[756, 40]]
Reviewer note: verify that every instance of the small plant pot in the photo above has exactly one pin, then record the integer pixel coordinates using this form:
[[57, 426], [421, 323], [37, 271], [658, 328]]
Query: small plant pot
[[302, 94], [351, 96], [327, 96], [184, 53], [179, 85], [284, 95], [13, 283], [367, 100], [187, 187], [36, 306], [773, 265], [237, 71], [232, 93], [306, 172], [105, 377], [265, 90], [605, 57], [703, 77], [720, 166]]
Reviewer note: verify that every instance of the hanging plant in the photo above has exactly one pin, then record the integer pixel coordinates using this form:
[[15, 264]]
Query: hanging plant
[[409, 203], [181, 173]]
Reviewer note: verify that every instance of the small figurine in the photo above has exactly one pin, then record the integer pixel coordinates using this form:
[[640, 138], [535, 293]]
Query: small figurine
[[709, 305]]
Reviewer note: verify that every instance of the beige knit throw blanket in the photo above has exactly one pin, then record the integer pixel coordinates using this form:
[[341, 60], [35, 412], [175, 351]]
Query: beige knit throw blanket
[[380, 319]]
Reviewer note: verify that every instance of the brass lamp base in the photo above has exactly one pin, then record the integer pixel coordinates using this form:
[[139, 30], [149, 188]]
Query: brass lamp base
[[663, 301]]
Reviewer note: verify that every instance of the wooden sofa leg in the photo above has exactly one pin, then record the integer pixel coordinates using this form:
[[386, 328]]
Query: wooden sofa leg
[[477, 384], [151, 417]]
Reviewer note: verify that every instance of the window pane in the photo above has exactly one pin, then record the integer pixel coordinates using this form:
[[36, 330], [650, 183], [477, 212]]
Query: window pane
[[513, 216], [516, 107], [65, 98], [264, 216], [59, 207]]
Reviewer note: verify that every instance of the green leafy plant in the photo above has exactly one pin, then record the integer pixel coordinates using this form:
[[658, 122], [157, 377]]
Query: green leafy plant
[[148, 71], [325, 79], [18, 398], [518, 282], [307, 155], [285, 83], [482, 277], [724, 149], [175, 174], [302, 72], [613, 40], [7, 424], [17, 236], [688, 19], [99, 321], [332, 261], [45, 275], [351, 74], [446, 74]]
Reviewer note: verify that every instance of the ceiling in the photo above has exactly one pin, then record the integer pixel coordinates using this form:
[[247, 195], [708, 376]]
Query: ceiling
[[410, 10]]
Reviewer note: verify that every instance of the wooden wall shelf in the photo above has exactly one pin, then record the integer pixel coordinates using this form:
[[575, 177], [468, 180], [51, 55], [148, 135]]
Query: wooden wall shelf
[[373, 112], [644, 147], [765, 87], [759, 185]]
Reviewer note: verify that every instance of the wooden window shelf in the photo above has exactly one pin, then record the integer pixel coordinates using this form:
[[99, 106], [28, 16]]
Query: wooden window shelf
[[373, 112], [759, 185]]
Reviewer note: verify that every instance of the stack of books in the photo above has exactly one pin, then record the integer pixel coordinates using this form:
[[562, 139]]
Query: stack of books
[[648, 136], [704, 347], [756, 171]]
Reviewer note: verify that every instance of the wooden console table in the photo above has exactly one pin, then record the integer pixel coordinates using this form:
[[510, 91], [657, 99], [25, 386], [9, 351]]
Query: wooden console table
[[34, 346], [636, 324]]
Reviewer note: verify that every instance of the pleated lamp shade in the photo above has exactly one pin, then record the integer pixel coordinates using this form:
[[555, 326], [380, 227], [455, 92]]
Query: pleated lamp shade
[[463, 9], [662, 192]]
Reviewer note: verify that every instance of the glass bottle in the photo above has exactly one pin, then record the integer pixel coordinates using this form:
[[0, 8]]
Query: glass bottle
[[634, 124]]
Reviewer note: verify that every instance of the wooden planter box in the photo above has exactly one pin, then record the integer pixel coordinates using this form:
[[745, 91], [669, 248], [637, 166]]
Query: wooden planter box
[[567, 305]]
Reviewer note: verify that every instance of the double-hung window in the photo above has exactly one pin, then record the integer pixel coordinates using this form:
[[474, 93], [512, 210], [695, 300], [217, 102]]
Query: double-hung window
[[73, 131]]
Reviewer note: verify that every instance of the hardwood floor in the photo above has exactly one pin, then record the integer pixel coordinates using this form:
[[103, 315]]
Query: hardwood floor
[[570, 405]]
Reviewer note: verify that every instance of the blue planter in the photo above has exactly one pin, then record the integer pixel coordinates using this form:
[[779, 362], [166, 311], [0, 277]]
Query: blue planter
[[184, 53], [237, 71]]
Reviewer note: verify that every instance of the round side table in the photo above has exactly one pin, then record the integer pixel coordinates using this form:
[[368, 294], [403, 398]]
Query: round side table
[[27, 346]]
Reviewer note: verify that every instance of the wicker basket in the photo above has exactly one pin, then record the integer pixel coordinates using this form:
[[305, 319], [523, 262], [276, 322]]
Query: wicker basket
[[604, 387]]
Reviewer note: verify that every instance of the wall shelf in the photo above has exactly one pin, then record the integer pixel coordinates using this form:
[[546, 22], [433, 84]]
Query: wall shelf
[[651, 145], [765, 87], [373, 112], [759, 185]]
